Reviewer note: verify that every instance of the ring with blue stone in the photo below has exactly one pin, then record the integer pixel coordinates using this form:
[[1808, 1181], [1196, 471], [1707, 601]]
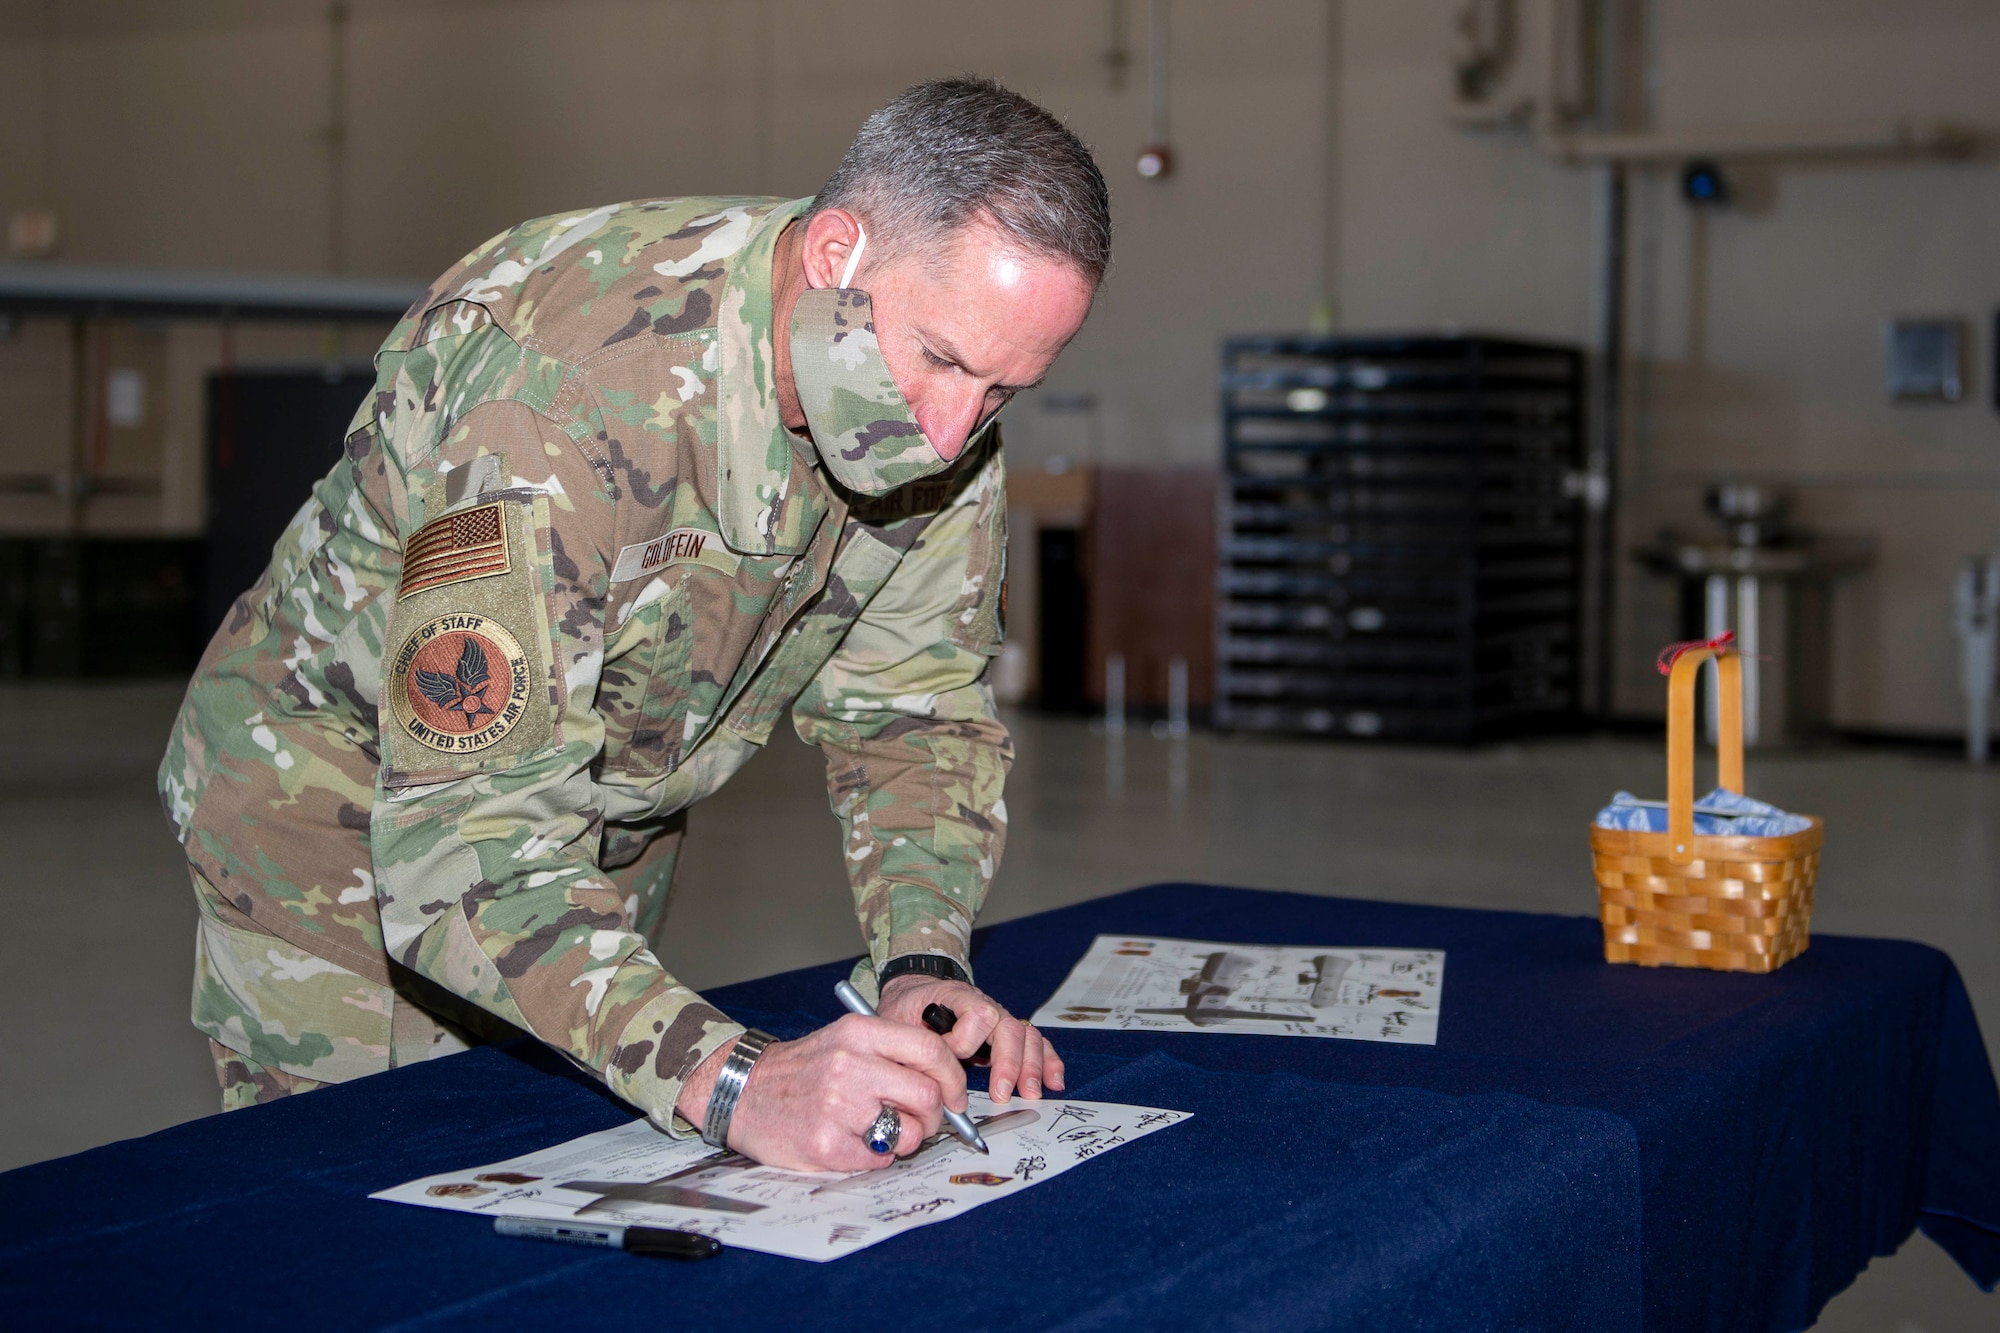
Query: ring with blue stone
[[882, 1135]]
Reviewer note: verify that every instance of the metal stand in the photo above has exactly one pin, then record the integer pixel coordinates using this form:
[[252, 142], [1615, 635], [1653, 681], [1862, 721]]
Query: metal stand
[[1978, 607]]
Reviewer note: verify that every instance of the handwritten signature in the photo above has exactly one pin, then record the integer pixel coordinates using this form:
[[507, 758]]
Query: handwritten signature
[[928, 1206]]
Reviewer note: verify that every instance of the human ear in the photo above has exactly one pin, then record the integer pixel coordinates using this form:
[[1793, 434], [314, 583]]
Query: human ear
[[830, 237]]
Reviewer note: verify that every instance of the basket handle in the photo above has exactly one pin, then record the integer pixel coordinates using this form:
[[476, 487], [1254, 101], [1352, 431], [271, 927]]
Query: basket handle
[[1680, 741]]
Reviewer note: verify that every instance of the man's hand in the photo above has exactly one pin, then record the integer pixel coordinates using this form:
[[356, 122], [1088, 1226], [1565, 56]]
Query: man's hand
[[808, 1102], [1022, 1057]]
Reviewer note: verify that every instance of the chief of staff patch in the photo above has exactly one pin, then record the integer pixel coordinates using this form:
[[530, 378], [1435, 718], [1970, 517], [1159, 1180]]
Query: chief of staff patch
[[459, 683]]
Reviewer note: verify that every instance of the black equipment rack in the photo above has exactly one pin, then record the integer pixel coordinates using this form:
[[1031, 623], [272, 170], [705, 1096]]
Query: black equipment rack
[[1402, 535]]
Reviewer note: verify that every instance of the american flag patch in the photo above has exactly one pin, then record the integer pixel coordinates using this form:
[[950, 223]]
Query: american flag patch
[[454, 548]]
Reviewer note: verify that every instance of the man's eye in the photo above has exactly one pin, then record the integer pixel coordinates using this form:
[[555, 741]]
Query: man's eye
[[936, 360]]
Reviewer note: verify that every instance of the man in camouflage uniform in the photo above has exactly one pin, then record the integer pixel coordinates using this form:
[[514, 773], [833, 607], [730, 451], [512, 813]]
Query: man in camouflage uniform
[[633, 482]]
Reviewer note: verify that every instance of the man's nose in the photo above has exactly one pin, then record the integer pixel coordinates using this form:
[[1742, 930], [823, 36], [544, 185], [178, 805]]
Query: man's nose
[[949, 418]]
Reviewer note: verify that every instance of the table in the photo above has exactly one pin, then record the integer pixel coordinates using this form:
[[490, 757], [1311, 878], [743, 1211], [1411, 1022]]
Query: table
[[1586, 1147]]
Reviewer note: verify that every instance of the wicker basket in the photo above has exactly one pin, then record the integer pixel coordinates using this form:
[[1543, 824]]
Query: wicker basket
[[1679, 899]]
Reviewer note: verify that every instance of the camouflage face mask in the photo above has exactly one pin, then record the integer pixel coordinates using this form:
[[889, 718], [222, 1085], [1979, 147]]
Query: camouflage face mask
[[865, 432]]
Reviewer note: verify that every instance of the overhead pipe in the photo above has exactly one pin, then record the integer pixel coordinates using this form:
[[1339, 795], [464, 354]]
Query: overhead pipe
[[1572, 91], [1867, 139]]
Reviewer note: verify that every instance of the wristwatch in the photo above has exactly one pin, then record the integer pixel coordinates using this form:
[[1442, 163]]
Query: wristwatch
[[924, 964], [729, 1086]]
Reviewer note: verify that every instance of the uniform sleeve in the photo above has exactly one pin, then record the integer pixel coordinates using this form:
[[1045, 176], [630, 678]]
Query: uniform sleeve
[[485, 831], [916, 755]]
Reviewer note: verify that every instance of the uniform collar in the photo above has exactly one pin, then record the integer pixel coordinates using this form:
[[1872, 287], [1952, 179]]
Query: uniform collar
[[768, 499]]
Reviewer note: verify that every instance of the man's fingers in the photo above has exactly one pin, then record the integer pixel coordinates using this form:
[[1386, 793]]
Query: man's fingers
[[917, 1049], [974, 1028], [915, 1132], [930, 1056], [916, 1097], [1052, 1068], [1033, 1048], [1008, 1040], [862, 1086]]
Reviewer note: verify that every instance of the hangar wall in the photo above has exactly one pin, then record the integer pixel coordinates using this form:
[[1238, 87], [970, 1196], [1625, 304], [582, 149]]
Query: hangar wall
[[1314, 163]]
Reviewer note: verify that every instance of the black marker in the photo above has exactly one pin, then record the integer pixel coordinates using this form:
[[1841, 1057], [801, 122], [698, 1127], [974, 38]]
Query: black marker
[[656, 1242], [940, 1019]]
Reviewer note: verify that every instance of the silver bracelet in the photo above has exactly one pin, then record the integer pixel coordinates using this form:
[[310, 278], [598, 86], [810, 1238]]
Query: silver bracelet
[[729, 1086]]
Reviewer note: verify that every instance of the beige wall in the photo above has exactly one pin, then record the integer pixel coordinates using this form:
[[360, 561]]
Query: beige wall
[[1765, 337], [191, 134], [1757, 333]]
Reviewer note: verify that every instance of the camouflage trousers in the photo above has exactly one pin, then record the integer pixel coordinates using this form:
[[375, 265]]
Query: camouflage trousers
[[281, 1020], [247, 1083]]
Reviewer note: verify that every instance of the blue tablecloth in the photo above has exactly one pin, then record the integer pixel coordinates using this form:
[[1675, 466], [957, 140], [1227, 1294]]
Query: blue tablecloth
[[1586, 1147]]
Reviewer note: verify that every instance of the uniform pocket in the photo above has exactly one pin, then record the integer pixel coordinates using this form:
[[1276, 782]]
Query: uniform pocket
[[862, 565], [660, 733], [283, 1007], [647, 687], [681, 652]]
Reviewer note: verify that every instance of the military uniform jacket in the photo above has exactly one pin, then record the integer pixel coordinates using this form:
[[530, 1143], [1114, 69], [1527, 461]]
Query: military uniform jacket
[[568, 576]]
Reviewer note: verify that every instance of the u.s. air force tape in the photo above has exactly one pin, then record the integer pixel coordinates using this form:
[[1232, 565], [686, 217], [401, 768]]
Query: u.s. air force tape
[[682, 546], [459, 683]]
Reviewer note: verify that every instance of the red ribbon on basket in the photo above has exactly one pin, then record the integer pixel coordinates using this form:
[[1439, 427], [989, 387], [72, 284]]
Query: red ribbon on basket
[[1672, 652]]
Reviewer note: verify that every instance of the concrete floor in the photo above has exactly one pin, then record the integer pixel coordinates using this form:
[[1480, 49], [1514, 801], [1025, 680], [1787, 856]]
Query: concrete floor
[[94, 966]]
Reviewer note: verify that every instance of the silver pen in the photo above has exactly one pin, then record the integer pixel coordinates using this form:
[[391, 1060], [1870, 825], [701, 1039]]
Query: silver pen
[[961, 1124]]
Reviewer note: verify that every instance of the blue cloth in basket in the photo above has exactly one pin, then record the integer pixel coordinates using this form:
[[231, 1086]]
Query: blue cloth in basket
[[1720, 814]]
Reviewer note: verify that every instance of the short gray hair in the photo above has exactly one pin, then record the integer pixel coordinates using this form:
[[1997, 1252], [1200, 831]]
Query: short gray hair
[[951, 151]]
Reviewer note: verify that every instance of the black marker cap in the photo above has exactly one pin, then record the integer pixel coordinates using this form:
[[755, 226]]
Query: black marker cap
[[660, 1243], [940, 1019]]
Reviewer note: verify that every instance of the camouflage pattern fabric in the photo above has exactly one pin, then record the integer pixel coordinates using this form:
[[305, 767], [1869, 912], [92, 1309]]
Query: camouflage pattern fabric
[[568, 576], [867, 436], [247, 1083], [284, 1008]]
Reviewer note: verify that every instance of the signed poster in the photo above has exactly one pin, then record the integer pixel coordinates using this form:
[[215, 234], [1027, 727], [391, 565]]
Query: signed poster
[[1126, 983], [636, 1176]]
